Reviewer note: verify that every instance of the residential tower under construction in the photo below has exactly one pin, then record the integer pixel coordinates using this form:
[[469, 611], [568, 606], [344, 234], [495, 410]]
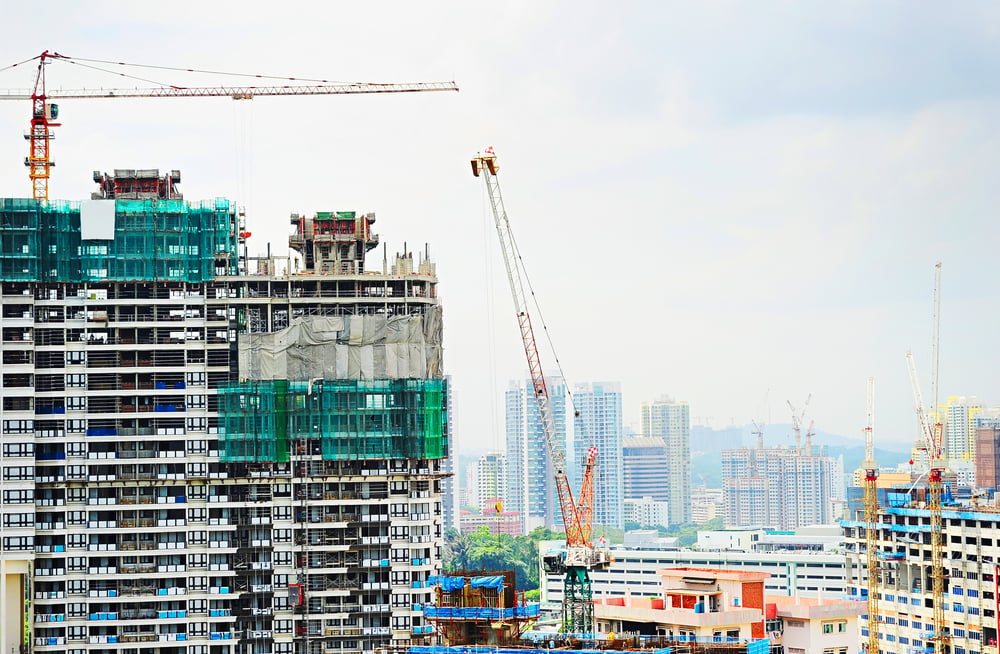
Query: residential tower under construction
[[208, 453]]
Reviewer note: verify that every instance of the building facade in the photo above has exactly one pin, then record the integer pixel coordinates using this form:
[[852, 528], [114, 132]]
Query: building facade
[[598, 423], [670, 421], [647, 512], [531, 488], [203, 454], [634, 572], [971, 547]]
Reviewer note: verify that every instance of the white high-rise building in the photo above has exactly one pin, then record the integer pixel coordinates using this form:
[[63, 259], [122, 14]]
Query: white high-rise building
[[491, 479], [203, 454], [599, 424], [670, 421], [531, 487]]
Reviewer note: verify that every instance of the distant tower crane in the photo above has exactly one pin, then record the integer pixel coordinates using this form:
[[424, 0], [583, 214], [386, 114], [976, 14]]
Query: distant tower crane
[[797, 418], [871, 521], [44, 114], [581, 556]]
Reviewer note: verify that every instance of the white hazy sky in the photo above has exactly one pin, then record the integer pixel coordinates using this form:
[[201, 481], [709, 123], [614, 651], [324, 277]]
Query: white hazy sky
[[717, 201]]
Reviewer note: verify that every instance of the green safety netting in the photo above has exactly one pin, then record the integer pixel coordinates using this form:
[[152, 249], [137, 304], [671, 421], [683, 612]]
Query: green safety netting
[[169, 240], [351, 419]]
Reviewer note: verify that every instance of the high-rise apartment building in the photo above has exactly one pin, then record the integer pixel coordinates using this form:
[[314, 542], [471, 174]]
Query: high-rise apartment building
[[598, 423], [778, 488], [491, 479], [670, 421], [531, 488], [449, 468], [959, 427], [203, 454]]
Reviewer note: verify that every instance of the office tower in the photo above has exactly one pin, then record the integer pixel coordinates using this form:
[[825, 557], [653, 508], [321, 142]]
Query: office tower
[[531, 488], [599, 424], [209, 453], [644, 460], [777, 488], [670, 421]]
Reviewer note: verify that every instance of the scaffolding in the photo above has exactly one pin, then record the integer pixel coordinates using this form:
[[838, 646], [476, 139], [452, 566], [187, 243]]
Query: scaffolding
[[337, 419], [154, 240]]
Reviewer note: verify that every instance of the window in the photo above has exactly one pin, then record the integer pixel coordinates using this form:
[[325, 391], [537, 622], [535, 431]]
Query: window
[[197, 424], [76, 541], [76, 609], [22, 496], [76, 448], [199, 583], [196, 492], [76, 472], [282, 535], [76, 518], [76, 403], [18, 543], [280, 581], [18, 473], [18, 450], [197, 470], [196, 379], [76, 563], [196, 401], [197, 515], [76, 427], [76, 358], [198, 606], [197, 560], [283, 627], [399, 533], [18, 520], [76, 494], [198, 537], [197, 447], [76, 380], [76, 587], [282, 513], [77, 632], [18, 427], [282, 558], [198, 629]]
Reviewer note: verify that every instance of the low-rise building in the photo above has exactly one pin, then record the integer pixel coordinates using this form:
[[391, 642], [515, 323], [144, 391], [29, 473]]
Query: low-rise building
[[804, 625], [634, 572]]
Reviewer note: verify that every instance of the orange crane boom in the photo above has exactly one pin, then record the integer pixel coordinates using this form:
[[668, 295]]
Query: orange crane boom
[[44, 113]]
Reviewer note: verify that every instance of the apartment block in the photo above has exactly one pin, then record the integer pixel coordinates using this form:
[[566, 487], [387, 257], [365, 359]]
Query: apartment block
[[598, 424], [778, 488], [531, 487], [207, 453]]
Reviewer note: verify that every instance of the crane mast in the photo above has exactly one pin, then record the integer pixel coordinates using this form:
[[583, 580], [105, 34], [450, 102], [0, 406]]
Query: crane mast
[[44, 113], [871, 521], [931, 442], [581, 557]]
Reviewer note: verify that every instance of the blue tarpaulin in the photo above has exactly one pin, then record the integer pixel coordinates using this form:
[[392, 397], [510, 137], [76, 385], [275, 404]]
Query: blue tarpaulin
[[487, 582], [447, 583]]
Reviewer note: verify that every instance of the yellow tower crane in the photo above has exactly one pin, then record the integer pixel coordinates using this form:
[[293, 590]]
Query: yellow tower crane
[[871, 521]]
